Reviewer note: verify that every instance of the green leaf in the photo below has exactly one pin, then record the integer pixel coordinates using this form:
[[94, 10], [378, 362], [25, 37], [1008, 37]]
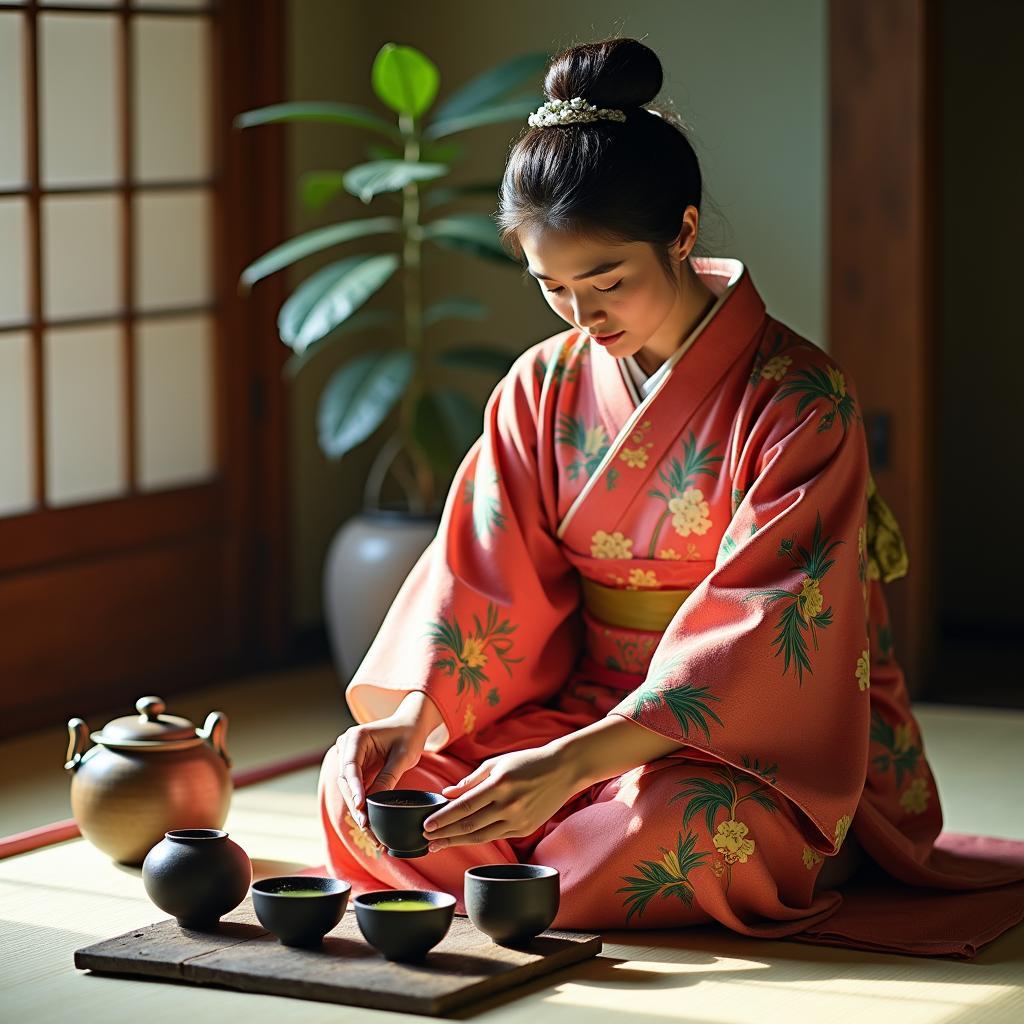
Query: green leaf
[[440, 152], [448, 193], [316, 241], [472, 232], [445, 424], [334, 113], [367, 180], [317, 188], [405, 79], [517, 109], [454, 307], [364, 321], [486, 360], [330, 296], [358, 397], [492, 84]]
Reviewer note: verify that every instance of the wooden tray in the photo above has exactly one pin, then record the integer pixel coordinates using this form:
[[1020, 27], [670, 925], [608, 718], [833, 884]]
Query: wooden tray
[[463, 967]]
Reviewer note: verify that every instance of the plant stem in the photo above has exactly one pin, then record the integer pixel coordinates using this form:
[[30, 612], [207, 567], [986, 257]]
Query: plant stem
[[412, 244]]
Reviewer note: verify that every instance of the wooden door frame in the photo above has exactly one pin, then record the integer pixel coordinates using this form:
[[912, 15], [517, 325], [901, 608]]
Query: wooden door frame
[[62, 565], [883, 204]]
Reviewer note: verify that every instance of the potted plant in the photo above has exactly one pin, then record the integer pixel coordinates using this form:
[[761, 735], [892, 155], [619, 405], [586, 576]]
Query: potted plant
[[394, 378]]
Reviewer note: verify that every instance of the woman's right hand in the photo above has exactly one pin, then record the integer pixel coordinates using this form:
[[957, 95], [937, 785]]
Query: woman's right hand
[[374, 756]]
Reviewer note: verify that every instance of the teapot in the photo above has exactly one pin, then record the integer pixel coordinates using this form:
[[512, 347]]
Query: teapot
[[147, 776]]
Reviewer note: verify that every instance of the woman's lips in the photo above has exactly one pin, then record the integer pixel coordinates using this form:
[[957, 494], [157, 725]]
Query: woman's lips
[[608, 338]]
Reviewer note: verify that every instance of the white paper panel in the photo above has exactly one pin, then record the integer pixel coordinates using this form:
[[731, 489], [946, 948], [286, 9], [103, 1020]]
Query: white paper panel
[[174, 389], [81, 255], [172, 249], [13, 261], [172, 98], [79, 134], [84, 414], [17, 437], [12, 101]]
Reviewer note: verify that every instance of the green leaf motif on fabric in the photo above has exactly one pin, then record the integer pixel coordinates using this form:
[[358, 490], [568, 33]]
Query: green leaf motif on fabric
[[665, 877], [803, 612], [466, 655], [885, 641], [829, 385], [590, 441], [900, 754], [487, 515], [683, 501], [709, 797], [689, 704]]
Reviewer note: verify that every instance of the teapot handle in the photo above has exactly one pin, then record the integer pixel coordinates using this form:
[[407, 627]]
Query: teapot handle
[[215, 731], [78, 738]]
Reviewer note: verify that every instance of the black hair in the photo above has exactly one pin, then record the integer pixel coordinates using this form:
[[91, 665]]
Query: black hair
[[628, 181]]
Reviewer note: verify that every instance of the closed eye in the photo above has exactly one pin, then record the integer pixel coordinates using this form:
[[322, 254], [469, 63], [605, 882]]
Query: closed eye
[[555, 291]]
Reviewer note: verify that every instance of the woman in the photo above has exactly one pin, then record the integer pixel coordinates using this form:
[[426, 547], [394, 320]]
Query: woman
[[649, 645]]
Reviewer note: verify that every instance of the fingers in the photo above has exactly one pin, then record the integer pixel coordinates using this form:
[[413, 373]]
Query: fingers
[[463, 817], [349, 780], [496, 830], [472, 779]]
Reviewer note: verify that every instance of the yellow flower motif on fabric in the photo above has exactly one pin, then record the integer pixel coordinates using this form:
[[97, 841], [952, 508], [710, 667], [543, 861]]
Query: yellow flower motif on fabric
[[670, 554], [692, 554], [635, 458], [594, 440], [811, 857], [901, 737], [469, 719], [718, 867], [775, 368], [864, 670], [730, 839], [360, 839], [611, 545], [915, 797], [842, 827], [861, 542], [640, 578], [809, 600], [690, 513], [473, 652], [837, 380]]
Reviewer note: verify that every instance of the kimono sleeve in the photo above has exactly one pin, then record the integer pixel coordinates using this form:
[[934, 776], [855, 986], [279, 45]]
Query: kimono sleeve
[[765, 665], [487, 619]]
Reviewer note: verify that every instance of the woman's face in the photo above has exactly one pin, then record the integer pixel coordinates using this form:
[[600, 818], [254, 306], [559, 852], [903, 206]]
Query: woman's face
[[630, 292]]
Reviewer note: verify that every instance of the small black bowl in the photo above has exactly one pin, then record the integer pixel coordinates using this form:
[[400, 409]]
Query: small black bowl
[[406, 935], [397, 816], [511, 902], [300, 920]]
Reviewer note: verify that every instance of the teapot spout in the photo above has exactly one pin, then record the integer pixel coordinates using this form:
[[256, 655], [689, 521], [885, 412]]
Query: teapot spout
[[78, 739], [215, 732]]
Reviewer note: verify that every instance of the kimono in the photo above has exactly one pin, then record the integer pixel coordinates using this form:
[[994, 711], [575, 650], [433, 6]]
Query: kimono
[[707, 561]]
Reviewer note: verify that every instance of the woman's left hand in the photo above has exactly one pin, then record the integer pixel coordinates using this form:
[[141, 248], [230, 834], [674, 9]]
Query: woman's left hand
[[508, 795]]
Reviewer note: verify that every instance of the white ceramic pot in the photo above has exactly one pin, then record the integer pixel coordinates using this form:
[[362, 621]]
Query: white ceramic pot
[[368, 561]]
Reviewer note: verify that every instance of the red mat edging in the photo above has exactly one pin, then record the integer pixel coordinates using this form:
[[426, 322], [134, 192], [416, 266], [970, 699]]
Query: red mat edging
[[61, 831]]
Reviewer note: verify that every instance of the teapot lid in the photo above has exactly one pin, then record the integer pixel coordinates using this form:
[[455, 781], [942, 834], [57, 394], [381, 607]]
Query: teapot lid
[[151, 725]]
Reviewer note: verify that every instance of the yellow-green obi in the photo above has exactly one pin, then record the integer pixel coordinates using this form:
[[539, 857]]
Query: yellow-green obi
[[648, 610]]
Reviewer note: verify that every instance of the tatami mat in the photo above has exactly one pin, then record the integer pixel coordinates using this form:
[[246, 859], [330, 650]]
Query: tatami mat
[[56, 899]]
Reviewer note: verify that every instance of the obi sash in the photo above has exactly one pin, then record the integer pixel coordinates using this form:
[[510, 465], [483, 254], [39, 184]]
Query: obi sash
[[648, 610]]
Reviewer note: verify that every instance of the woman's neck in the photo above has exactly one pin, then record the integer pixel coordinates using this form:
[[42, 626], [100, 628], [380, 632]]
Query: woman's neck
[[697, 299]]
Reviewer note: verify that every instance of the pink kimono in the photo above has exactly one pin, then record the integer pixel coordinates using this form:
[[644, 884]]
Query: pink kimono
[[706, 562]]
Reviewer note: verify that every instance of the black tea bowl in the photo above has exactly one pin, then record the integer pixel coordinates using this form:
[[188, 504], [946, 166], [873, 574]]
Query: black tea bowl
[[511, 903], [397, 816], [409, 934], [300, 909]]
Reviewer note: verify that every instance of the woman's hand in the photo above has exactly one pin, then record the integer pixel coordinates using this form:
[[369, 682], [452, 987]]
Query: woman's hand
[[375, 755], [508, 795]]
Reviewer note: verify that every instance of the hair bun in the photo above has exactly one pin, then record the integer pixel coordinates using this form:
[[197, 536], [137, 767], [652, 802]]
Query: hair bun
[[614, 73]]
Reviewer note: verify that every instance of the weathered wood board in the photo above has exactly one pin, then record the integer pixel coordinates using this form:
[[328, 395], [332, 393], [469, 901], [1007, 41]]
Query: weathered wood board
[[463, 967]]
